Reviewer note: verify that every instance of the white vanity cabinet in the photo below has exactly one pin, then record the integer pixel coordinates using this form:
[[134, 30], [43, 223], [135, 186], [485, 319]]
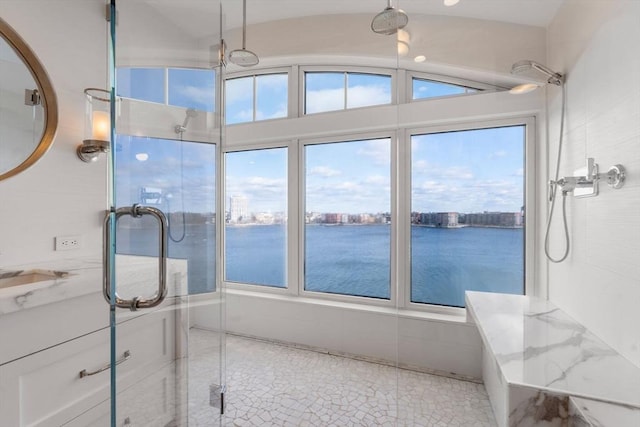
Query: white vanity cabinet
[[45, 388]]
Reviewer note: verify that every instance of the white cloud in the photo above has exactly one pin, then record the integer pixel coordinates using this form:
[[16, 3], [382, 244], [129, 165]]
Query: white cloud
[[362, 96], [377, 180], [324, 100], [519, 172], [324, 171], [377, 149], [498, 154], [198, 94]]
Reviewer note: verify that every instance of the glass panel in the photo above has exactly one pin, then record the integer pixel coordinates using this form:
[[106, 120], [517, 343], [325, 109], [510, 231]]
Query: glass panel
[[347, 216], [324, 92], [180, 344], [467, 214], [185, 193], [272, 96], [192, 88], [431, 89], [145, 84], [368, 89], [256, 217], [239, 100]]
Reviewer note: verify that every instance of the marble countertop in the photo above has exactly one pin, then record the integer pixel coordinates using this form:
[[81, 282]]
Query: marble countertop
[[135, 275], [537, 344]]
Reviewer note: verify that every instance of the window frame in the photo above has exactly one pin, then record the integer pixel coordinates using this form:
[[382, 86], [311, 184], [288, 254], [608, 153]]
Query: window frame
[[301, 199], [528, 198], [302, 90], [255, 73], [448, 80]]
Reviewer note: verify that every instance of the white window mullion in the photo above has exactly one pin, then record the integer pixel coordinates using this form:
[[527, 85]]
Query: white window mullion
[[295, 215]]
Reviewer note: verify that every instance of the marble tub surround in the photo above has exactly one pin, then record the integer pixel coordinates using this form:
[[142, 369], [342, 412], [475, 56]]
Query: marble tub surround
[[530, 344]]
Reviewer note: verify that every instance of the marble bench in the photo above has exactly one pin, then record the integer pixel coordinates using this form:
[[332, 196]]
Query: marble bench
[[541, 367]]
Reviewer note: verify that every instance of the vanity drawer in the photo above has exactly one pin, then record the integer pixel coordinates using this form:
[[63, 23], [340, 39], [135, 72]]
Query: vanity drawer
[[45, 389]]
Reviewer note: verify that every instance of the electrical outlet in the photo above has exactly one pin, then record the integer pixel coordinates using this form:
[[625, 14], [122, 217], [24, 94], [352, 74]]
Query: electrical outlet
[[67, 243]]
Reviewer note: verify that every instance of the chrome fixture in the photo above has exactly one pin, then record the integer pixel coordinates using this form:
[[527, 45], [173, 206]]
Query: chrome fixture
[[97, 125], [180, 129], [389, 21], [526, 65], [585, 183], [136, 303], [243, 57]]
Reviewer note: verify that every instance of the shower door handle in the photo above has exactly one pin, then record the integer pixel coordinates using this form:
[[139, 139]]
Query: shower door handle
[[135, 211]]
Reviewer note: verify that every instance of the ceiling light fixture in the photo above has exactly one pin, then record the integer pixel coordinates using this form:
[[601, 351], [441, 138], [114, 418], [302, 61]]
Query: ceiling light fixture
[[420, 58], [451, 2]]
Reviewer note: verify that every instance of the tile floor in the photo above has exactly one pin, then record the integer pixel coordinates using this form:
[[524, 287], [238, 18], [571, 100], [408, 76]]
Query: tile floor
[[276, 385]]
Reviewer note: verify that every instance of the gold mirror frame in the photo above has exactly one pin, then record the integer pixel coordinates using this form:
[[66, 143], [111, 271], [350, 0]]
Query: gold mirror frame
[[48, 96]]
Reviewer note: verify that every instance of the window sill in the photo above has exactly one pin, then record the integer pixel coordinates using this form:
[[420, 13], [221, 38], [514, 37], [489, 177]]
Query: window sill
[[436, 314]]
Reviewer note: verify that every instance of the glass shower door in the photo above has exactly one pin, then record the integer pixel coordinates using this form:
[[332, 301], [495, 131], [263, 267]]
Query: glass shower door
[[161, 239]]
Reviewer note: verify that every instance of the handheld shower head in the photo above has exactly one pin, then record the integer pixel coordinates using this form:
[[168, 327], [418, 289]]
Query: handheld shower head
[[189, 114], [526, 65]]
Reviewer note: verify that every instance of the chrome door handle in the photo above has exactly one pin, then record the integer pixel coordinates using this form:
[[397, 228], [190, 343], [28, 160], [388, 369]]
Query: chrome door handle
[[134, 304], [125, 356]]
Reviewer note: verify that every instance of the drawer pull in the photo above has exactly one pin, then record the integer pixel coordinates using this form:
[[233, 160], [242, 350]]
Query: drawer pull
[[125, 356]]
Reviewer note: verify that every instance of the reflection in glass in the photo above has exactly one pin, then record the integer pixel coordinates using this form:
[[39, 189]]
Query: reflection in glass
[[423, 89], [145, 84], [177, 177], [192, 88], [347, 218], [467, 222], [256, 217]]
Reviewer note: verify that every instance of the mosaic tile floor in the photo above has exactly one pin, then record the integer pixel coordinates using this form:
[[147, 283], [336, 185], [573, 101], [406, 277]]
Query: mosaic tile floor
[[275, 385]]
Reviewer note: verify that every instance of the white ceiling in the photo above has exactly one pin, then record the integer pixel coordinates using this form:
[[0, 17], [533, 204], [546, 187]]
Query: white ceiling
[[527, 12], [195, 16]]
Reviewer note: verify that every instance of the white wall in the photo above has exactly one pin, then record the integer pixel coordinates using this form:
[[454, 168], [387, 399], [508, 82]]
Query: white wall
[[59, 195], [595, 43]]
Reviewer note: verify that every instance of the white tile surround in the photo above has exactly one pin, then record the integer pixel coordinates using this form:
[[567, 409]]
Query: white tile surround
[[599, 284], [535, 356]]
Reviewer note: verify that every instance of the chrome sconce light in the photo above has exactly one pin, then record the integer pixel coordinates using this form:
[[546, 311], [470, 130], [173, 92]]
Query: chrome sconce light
[[97, 125]]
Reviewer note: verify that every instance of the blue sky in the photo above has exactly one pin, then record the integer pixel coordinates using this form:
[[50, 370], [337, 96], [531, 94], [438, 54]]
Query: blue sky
[[466, 171]]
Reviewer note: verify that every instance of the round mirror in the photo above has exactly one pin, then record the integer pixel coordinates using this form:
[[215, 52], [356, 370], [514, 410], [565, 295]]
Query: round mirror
[[28, 107]]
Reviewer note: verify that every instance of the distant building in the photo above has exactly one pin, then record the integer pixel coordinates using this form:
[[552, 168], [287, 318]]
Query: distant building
[[239, 209], [439, 219], [494, 219]]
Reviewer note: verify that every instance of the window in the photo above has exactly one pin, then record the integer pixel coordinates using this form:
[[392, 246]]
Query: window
[[256, 217], [467, 208], [424, 88], [185, 87], [347, 236], [258, 97], [177, 177], [331, 91]]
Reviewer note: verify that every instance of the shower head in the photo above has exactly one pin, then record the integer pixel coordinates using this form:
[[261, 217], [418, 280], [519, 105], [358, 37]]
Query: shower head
[[527, 65], [189, 114], [243, 57], [389, 21]]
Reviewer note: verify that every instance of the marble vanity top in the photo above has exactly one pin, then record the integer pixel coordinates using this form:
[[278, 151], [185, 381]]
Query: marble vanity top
[[537, 344], [84, 276], [135, 276]]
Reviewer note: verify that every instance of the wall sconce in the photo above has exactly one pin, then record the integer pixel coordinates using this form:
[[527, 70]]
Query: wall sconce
[[97, 125]]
